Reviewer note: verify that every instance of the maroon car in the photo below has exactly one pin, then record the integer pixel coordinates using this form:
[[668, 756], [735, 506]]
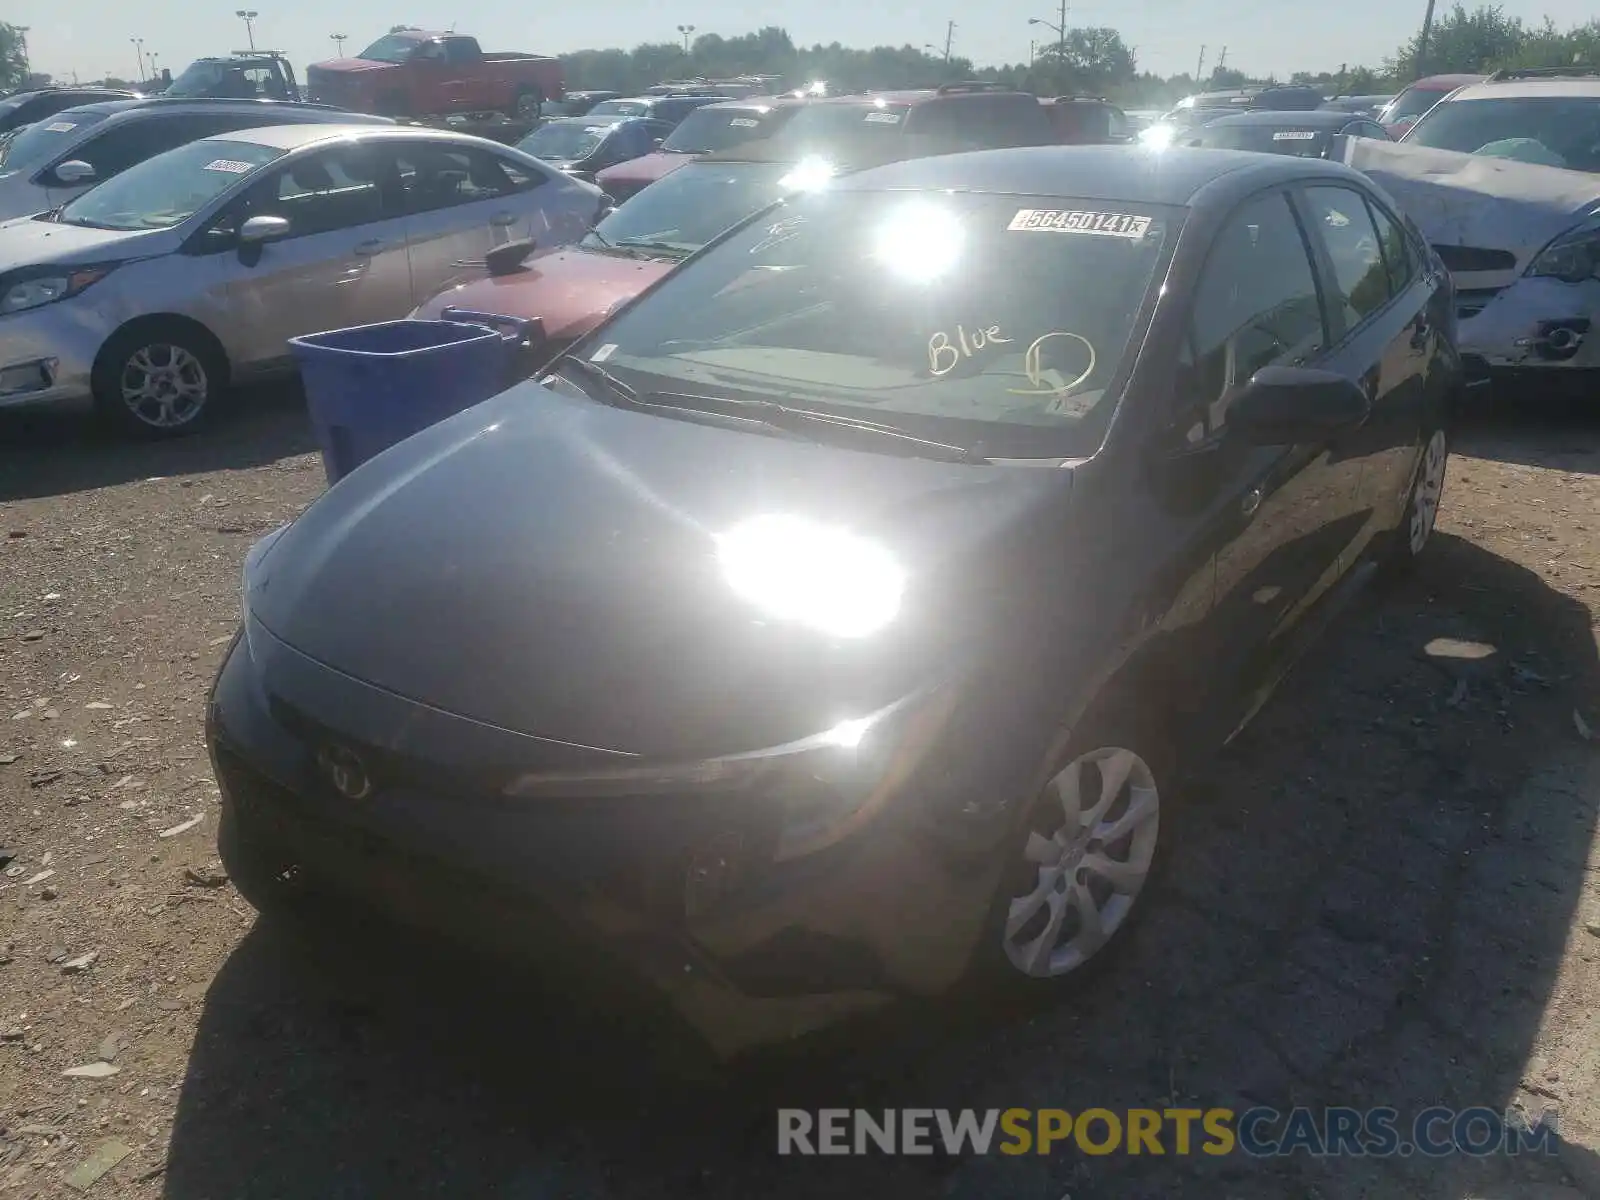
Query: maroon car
[[573, 289], [708, 130]]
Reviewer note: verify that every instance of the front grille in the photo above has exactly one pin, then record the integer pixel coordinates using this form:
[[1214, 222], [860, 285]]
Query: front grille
[[1475, 258]]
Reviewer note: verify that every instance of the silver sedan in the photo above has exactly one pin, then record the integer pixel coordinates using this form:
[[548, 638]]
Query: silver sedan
[[153, 291]]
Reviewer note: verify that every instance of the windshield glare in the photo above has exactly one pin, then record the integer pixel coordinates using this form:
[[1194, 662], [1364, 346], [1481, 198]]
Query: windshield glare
[[391, 49], [958, 317], [685, 210], [1412, 103], [168, 189], [620, 108], [707, 130], [40, 141], [843, 120], [564, 139], [1265, 139], [1556, 131]]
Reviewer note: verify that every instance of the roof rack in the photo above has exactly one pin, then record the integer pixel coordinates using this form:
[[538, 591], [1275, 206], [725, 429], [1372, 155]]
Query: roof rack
[[1573, 72], [969, 85]]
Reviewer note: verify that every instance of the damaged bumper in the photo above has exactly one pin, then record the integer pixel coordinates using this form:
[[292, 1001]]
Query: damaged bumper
[[1534, 324]]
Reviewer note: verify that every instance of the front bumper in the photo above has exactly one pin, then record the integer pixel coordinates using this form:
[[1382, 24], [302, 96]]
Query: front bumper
[[1534, 324], [895, 909], [47, 354]]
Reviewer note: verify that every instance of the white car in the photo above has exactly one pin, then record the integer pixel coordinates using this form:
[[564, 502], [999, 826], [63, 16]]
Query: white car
[[154, 290], [1503, 178]]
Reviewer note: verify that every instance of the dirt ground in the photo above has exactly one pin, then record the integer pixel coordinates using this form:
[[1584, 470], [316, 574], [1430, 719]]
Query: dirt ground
[[1387, 892]]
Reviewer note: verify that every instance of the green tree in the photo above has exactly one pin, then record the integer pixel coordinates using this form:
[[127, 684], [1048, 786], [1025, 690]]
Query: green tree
[[1461, 41], [13, 61]]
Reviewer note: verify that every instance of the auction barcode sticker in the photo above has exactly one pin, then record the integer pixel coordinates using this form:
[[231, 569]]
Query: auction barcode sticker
[[1294, 135], [61, 127], [882, 118], [1101, 224], [744, 123], [231, 165]]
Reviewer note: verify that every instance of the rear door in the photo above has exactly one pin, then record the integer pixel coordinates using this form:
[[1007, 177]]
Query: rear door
[[343, 263], [1380, 293], [461, 200], [1284, 513]]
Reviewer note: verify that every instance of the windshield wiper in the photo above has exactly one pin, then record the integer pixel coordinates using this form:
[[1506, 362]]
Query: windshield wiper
[[647, 244], [807, 420], [595, 373]]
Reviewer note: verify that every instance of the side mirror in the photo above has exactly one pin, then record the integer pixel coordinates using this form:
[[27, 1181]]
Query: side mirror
[[508, 259], [1284, 405], [257, 231], [75, 171], [655, 143]]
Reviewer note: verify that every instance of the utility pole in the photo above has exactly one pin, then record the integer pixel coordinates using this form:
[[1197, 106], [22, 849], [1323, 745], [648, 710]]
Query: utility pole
[[949, 36], [22, 36], [1422, 43], [1061, 48], [1199, 67], [1222, 61]]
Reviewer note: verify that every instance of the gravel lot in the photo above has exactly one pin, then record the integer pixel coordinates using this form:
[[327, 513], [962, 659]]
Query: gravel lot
[[1388, 892]]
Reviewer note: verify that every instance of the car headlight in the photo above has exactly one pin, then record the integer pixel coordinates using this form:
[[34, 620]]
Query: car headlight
[[33, 290], [796, 570], [827, 785], [1572, 257]]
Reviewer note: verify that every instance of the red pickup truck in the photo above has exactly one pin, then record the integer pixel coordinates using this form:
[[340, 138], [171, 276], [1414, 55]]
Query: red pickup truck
[[417, 73]]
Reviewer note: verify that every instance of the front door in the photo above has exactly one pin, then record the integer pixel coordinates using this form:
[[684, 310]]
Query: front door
[[1282, 513], [343, 263]]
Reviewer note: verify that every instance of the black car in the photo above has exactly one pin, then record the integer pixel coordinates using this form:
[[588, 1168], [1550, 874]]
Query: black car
[[584, 145], [25, 108], [1320, 134], [835, 620]]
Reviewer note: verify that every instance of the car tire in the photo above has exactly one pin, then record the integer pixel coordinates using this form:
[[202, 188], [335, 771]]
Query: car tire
[[159, 379], [1069, 895], [525, 104], [1417, 522]]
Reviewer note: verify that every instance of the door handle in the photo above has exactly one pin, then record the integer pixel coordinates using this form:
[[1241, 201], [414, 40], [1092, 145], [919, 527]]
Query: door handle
[[503, 219], [370, 248]]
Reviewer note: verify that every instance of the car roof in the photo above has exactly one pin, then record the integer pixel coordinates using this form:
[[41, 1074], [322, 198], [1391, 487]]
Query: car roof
[[1433, 83], [864, 150], [292, 137], [760, 103], [1525, 89], [1172, 176], [592, 121], [112, 108], [1314, 118]]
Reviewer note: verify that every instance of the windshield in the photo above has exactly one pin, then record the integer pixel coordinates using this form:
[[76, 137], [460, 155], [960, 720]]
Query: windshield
[[1412, 103], [961, 317], [707, 130], [395, 48], [38, 142], [197, 79], [168, 189], [561, 140], [685, 210], [825, 121], [1264, 139], [620, 108], [1557, 131]]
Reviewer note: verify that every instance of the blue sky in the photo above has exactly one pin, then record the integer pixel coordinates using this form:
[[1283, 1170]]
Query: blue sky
[[92, 36]]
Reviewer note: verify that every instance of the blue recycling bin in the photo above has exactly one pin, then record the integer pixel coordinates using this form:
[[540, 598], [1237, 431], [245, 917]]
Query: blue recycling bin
[[371, 386]]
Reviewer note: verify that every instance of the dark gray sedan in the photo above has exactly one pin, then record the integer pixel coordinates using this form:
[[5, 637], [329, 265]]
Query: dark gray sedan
[[837, 619], [1318, 134]]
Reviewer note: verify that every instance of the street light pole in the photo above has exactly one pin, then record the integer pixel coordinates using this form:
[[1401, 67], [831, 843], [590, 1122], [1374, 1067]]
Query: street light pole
[[248, 16], [1061, 43], [138, 51], [686, 31], [338, 40]]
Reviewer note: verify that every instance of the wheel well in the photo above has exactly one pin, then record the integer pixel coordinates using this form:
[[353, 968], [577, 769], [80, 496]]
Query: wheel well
[[155, 321]]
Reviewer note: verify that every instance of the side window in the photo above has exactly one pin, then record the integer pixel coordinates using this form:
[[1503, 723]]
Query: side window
[[117, 149], [458, 50], [434, 177], [1256, 305], [432, 52], [1343, 223], [1399, 255], [1117, 123], [331, 190], [967, 121]]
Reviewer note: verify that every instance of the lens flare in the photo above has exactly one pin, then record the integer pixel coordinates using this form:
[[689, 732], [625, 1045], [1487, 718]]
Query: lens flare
[[920, 241], [797, 570]]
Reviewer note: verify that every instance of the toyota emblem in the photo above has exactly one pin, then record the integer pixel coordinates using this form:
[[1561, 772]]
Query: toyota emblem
[[345, 770]]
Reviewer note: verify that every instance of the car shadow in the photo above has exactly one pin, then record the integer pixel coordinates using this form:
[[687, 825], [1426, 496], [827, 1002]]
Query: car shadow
[[1368, 904], [58, 450], [1559, 429]]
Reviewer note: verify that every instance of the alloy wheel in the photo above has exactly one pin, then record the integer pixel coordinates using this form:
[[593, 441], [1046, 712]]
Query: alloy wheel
[[1429, 488], [164, 386], [1087, 858]]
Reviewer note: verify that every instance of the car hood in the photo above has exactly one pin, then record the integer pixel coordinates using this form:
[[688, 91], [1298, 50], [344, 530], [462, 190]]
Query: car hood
[[548, 565], [1478, 201], [646, 170], [349, 66], [570, 291], [25, 242]]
